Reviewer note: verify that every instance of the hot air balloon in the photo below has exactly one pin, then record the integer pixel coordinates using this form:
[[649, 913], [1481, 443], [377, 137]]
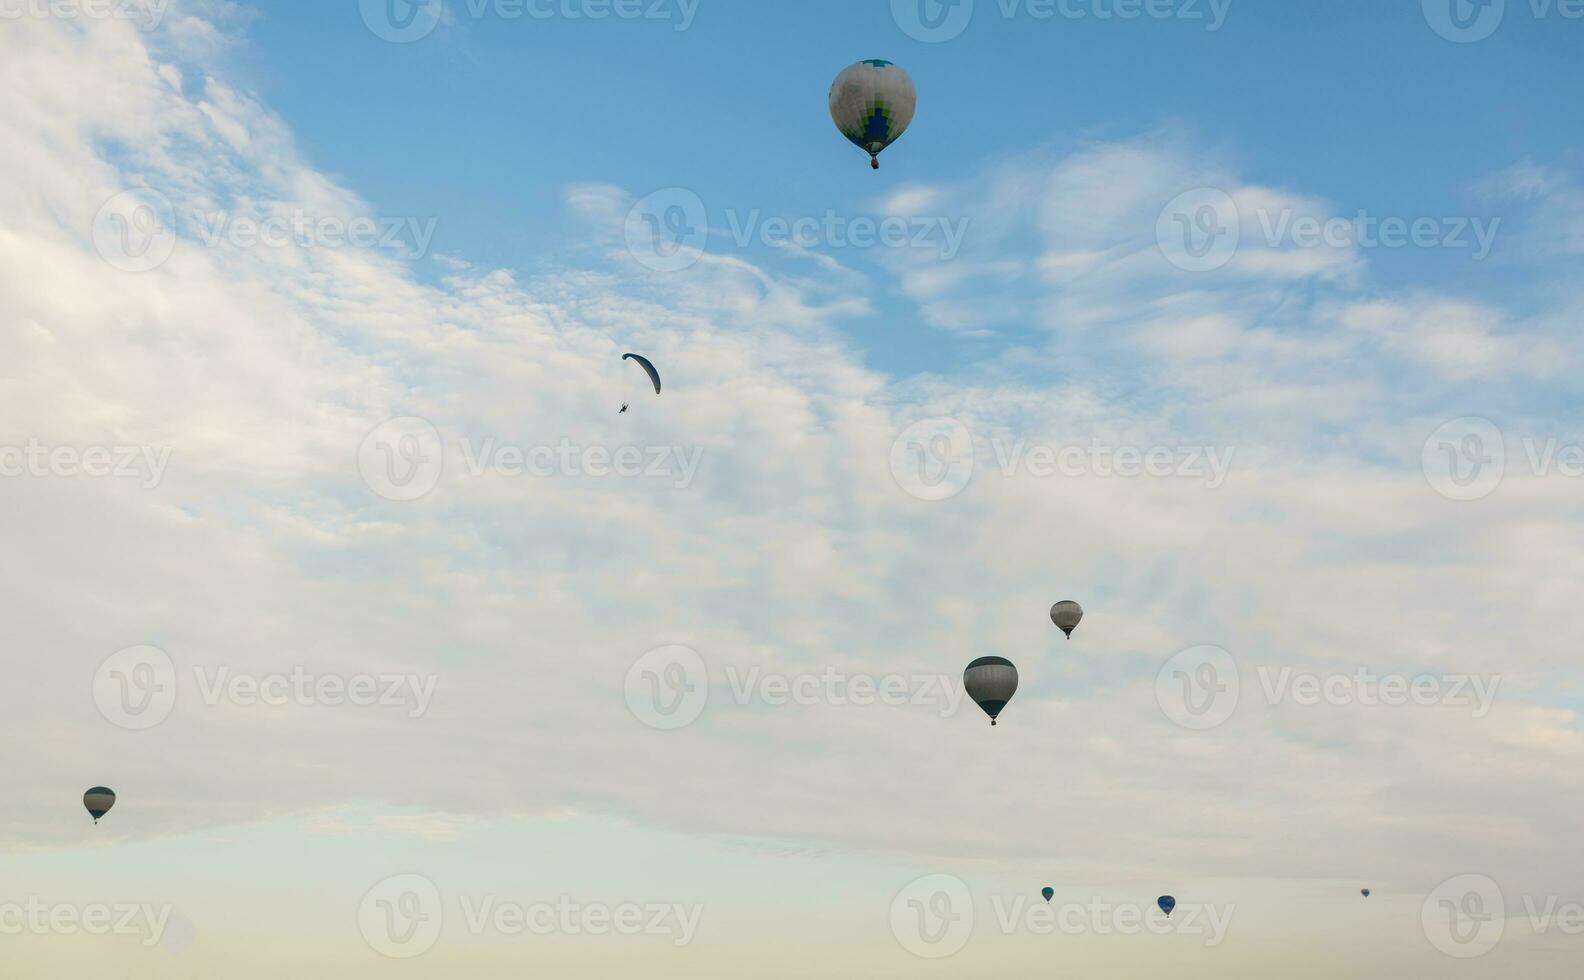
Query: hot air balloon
[[1365, 893], [991, 682], [1048, 892], [98, 801], [872, 103], [1166, 903], [1067, 614]]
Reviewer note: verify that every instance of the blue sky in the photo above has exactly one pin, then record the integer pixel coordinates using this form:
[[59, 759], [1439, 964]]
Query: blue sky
[[869, 466]]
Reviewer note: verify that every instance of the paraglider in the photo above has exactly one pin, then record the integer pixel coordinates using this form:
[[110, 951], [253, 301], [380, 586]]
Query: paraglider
[[1048, 892], [1067, 614], [872, 104], [1166, 903], [1365, 893], [98, 801], [648, 367], [991, 682]]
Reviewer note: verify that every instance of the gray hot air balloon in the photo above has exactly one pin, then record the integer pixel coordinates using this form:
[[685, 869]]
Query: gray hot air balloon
[[991, 682], [99, 800], [1067, 614], [1365, 893], [872, 104]]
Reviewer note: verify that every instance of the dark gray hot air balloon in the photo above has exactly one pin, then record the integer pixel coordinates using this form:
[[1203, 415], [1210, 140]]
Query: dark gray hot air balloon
[[1365, 893], [1067, 614], [99, 800], [991, 682]]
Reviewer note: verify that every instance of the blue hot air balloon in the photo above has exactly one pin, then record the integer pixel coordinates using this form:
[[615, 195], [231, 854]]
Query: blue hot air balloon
[[1048, 892], [872, 104], [1166, 903]]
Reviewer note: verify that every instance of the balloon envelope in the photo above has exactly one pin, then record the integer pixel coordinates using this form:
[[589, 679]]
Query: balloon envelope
[[872, 104], [648, 367], [98, 801], [1365, 893], [1166, 903], [991, 682], [1067, 614], [1049, 893]]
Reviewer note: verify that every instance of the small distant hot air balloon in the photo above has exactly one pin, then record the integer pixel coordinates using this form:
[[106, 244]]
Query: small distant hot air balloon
[[1365, 893], [1067, 614], [1048, 892], [98, 801], [872, 104], [991, 682], [1166, 903]]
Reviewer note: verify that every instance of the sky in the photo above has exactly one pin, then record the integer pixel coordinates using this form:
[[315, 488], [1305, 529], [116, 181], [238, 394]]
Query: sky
[[1252, 327]]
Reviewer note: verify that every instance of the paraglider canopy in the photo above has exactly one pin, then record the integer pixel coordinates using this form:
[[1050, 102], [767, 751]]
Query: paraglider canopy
[[872, 104], [98, 801], [1048, 892], [991, 682], [648, 367], [1067, 614], [1166, 903]]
